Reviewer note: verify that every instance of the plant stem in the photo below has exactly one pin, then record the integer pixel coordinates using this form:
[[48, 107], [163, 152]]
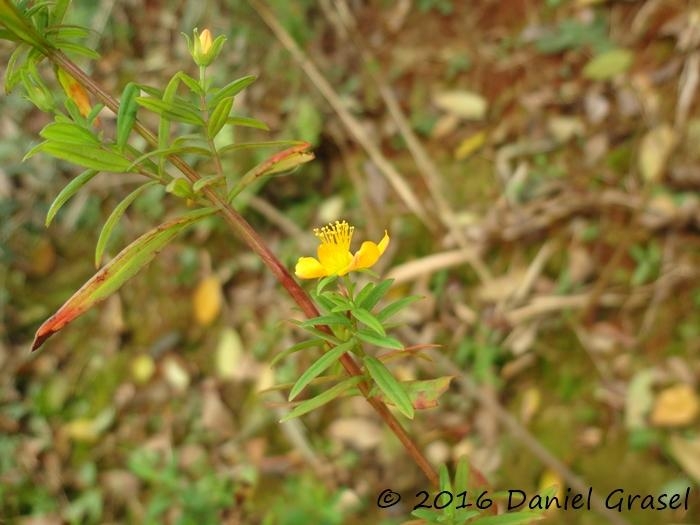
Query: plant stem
[[256, 243]]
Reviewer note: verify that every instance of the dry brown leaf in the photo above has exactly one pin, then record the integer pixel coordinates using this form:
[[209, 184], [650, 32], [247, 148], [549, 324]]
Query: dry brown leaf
[[654, 151], [175, 373], [532, 398], [465, 104], [687, 453], [216, 416], [206, 300], [675, 406], [228, 354]]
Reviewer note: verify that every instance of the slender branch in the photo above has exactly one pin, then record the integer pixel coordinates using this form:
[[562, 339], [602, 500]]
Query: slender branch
[[256, 243]]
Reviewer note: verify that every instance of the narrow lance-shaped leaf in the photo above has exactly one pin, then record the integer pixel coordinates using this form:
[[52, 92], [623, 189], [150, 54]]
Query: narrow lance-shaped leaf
[[120, 269], [218, 117], [20, 27], [280, 162], [113, 219], [126, 118], [319, 366], [232, 89], [389, 385], [96, 158], [368, 320], [69, 133], [247, 122], [323, 398], [66, 193], [426, 392]]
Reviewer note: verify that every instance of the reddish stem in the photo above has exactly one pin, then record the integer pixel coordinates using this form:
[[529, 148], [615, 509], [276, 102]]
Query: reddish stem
[[256, 243]]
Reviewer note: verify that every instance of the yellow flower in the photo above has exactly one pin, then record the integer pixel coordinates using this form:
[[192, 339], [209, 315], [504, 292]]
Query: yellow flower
[[334, 257]]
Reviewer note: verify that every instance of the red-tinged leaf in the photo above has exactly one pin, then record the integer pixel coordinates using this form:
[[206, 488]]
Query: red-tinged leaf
[[424, 394], [285, 160], [120, 269]]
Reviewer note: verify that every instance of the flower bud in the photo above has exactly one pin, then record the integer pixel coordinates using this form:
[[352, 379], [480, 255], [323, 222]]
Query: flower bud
[[202, 48]]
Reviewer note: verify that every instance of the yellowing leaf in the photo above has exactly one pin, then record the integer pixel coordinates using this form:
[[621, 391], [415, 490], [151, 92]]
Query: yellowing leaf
[[687, 453], [75, 92], [469, 145], [175, 374], [142, 368], [654, 151], [206, 301], [675, 406], [608, 64], [465, 104], [549, 479], [120, 269], [81, 430], [228, 354]]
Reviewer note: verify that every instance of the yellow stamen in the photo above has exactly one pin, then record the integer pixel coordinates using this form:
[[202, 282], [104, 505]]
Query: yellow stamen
[[338, 234]]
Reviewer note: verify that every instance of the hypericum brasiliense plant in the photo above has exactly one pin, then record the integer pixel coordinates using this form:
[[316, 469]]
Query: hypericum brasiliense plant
[[341, 322]]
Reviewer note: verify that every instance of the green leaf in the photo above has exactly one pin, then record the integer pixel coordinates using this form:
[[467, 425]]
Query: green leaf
[[444, 477], [513, 518], [309, 343], [375, 295], [78, 49], [247, 122], [69, 133], [462, 474], [319, 333], [368, 320], [330, 320], [390, 387], [126, 117], [319, 366], [95, 158], [113, 219], [428, 515], [465, 515], [120, 269], [180, 187], [205, 181], [232, 148], [378, 340], [323, 398], [396, 307], [165, 152], [178, 110], [608, 64], [231, 89], [190, 83], [366, 290], [218, 117], [66, 193], [323, 283]]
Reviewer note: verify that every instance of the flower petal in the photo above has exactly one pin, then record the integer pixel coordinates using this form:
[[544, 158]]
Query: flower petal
[[369, 253], [366, 256], [383, 243], [309, 268], [334, 258]]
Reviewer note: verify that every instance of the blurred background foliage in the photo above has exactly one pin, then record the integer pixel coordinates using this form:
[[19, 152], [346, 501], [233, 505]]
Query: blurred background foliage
[[565, 137]]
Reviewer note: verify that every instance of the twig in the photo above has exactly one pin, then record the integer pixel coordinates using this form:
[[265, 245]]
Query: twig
[[354, 127], [429, 171], [255, 242], [527, 439]]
